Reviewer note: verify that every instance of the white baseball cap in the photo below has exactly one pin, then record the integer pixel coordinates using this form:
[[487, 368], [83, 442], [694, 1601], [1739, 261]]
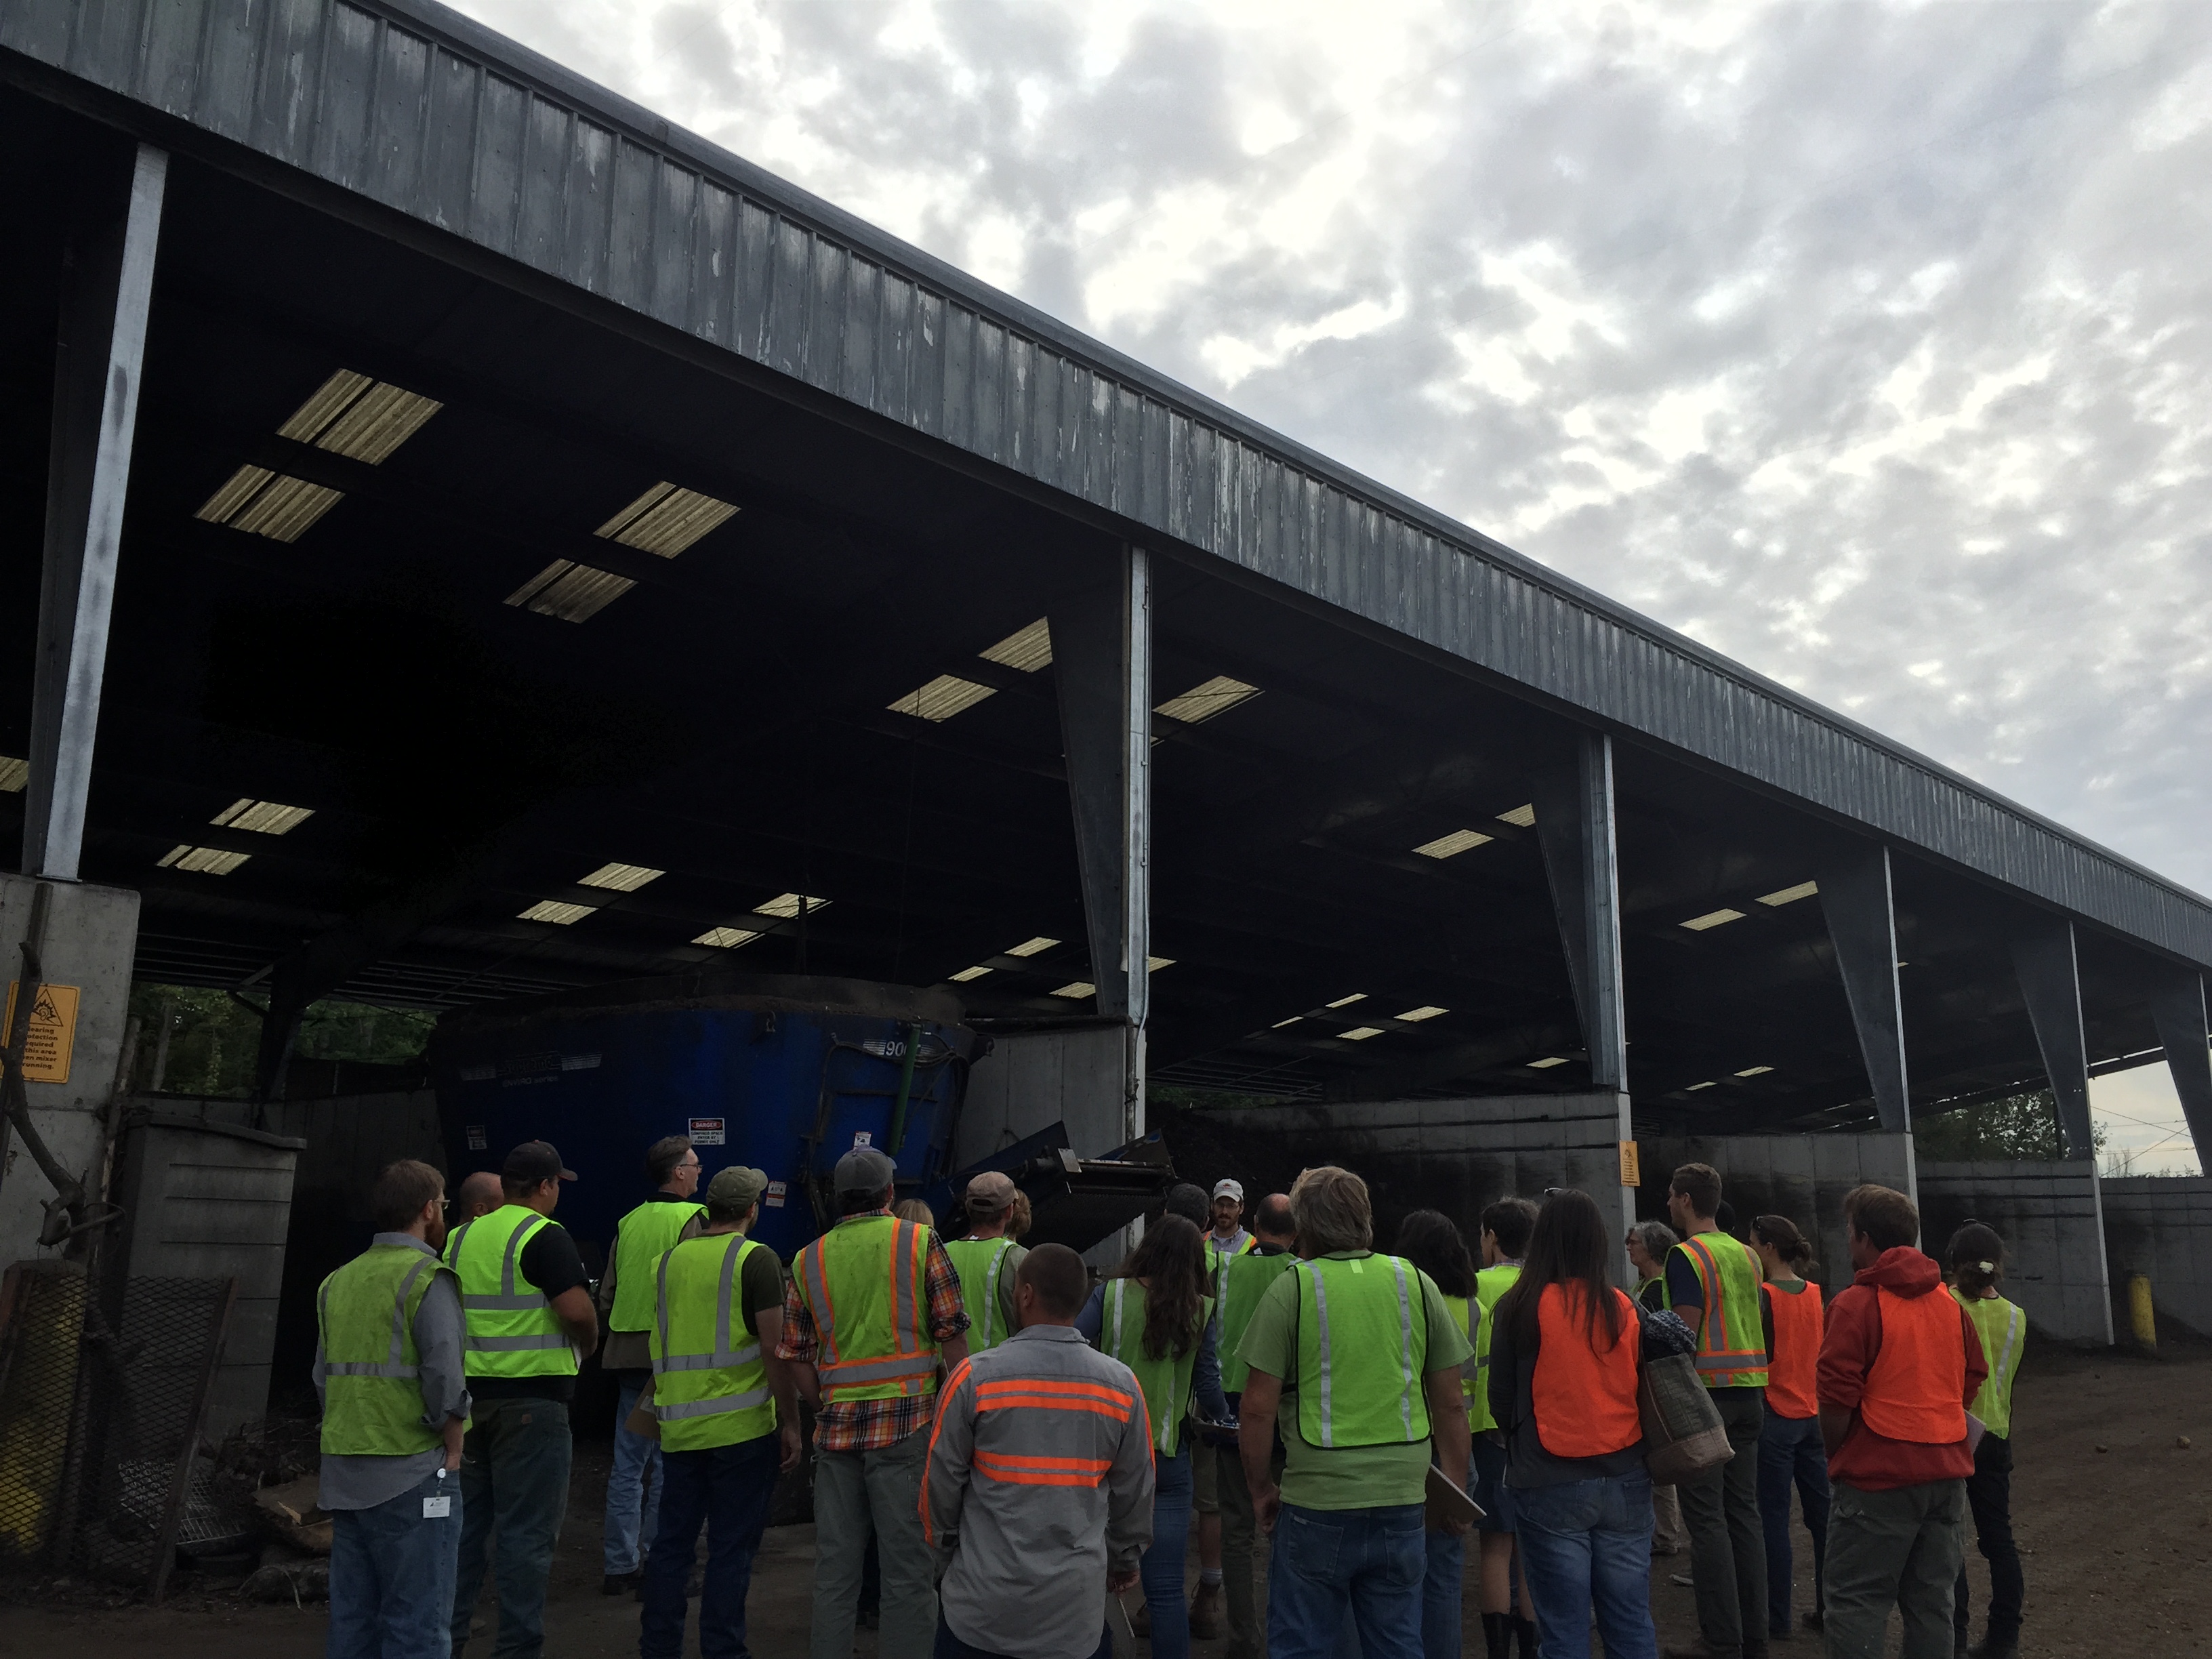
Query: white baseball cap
[[1227, 1188]]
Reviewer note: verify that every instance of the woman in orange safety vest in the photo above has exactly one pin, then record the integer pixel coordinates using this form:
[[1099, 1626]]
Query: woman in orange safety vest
[[1789, 1449]]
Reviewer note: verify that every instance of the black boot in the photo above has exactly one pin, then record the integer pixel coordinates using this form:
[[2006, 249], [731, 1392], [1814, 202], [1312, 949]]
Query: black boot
[[1497, 1635], [1524, 1631]]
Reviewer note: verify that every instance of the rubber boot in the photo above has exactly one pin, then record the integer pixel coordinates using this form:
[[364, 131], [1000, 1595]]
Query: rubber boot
[[1497, 1637], [1206, 1613], [1524, 1633]]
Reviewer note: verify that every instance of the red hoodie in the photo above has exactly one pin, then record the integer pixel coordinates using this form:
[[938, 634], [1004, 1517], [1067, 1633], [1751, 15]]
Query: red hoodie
[[1870, 1461]]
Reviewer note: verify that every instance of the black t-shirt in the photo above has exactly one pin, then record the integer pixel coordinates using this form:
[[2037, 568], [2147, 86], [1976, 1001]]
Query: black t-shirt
[[550, 1262]]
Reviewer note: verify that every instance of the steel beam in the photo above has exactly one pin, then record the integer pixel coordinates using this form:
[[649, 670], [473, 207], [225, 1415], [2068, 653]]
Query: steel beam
[[1855, 899], [2043, 961], [107, 285], [1102, 654], [2177, 1006]]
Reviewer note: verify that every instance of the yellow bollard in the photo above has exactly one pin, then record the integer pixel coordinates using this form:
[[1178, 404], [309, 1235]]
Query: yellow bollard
[[2141, 1314]]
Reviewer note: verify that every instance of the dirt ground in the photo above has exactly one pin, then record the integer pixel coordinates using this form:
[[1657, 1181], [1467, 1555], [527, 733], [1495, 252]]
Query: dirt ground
[[2114, 1517]]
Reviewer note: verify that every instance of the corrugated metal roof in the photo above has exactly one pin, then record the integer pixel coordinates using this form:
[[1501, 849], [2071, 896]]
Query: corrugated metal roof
[[414, 106]]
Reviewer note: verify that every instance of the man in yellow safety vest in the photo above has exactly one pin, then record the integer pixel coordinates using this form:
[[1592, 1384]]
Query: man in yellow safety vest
[[873, 1311], [625, 1304], [395, 1405], [528, 1306], [727, 1412], [987, 1259]]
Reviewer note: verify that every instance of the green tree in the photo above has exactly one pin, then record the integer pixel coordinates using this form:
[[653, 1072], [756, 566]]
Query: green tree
[[215, 1037], [2021, 1128]]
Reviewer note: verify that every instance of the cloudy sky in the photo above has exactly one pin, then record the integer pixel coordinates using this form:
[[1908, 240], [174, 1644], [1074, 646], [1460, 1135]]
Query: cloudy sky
[[1867, 343]]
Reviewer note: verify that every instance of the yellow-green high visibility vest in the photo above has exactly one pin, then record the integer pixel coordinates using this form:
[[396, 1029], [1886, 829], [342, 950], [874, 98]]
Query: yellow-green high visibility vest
[[365, 1323], [1491, 1285], [1362, 1346], [981, 1262], [641, 1237], [1731, 1337], [1166, 1382], [2001, 1325], [513, 1329], [1246, 1281], [709, 1378], [865, 1283], [1218, 1260], [1467, 1313]]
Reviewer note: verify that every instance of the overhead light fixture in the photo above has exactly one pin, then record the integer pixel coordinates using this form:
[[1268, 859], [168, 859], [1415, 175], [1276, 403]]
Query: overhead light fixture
[[14, 774], [1790, 895], [569, 591], [1713, 918], [966, 974], [1521, 817], [1547, 1062], [1030, 947], [1361, 1033], [666, 520], [1280, 1024], [264, 817], [1754, 1070], [206, 860], [553, 911], [621, 877], [1154, 965], [727, 938], [1346, 1002], [1694, 1087], [266, 503], [1025, 652], [1415, 1016], [1077, 988], [360, 418], [790, 905], [1445, 846], [1203, 701], [941, 699]]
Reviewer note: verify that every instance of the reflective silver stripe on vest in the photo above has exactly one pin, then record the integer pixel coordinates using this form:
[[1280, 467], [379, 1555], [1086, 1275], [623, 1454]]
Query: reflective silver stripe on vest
[[716, 1406], [2012, 1342], [1472, 1368], [1405, 1348], [397, 1366], [991, 1286], [1320, 1320], [902, 1321], [724, 1355], [514, 1344], [507, 1300]]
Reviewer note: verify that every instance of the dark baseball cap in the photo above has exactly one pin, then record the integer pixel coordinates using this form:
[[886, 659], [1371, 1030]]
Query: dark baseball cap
[[532, 1162], [990, 1192], [865, 1170]]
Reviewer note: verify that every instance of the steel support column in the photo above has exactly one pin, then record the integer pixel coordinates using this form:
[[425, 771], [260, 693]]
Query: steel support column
[[1575, 826], [2043, 961], [1101, 654], [107, 287], [1855, 898], [2177, 1006]]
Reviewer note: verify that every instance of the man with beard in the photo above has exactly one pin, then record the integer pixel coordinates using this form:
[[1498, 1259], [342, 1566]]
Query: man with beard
[[395, 1404]]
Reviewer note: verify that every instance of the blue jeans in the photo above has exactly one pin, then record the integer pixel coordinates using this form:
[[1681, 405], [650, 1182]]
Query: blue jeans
[[392, 1575], [1327, 1563], [1789, 1450], [950, 1646], [1441, 1587], [1159, 1568], [514, 1475], [1585, 1543], [636, 1471], [726, 1489]]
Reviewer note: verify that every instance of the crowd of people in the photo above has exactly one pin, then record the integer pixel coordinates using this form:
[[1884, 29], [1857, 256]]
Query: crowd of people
[[1004, 1446]]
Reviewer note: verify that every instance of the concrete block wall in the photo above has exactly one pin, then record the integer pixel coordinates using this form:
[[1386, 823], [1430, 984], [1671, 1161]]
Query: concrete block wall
[[2161, 1225], [2050, 1217]]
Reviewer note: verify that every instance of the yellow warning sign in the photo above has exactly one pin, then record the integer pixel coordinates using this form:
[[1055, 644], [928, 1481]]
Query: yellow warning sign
[[52, 1036], [1632, 1165]]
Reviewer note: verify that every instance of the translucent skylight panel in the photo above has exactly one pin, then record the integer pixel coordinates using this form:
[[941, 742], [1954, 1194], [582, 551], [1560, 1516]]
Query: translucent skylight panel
[[1025, 652], [206, 860], [264, 817], [727, 938], [1077, 988], [1280, 1024], [1521, 817], [553, 910], [572, 592], [1030, 947], [1718, 917], [1361, 1033], [621, 877], [1426, 1011], [1694, 1087], [1458, 842], [329, 402], [1346, 1002], [14, 774], [1790, 895], [942, 698], [1754, 1070], [264, 503], [1547, 1062], [968, 975], [241, 487], [362, 419], [1155, 964], [790, 904], [1202, 703], [666, 519]]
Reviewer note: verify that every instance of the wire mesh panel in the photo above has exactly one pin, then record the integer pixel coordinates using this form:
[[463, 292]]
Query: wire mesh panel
[[42, 1309]]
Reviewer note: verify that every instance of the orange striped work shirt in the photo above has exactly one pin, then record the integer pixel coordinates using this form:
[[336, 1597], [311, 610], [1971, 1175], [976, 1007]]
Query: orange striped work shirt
[[1039, 1483]]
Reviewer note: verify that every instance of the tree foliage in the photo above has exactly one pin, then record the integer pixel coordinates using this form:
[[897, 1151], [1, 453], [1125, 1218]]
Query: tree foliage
[[215, 1037], [2021, 1128]]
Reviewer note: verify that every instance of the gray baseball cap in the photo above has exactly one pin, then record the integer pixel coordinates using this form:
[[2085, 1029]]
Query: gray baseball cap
[[737, 1188], [865, 1170]]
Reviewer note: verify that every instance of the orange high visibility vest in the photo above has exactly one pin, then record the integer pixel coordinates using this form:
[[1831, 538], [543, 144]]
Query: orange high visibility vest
[[1799, 1324], [1917, 1389], [1584, 1394]]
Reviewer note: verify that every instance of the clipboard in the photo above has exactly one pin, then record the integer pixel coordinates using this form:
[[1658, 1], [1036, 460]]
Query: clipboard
[[1444, 1502]]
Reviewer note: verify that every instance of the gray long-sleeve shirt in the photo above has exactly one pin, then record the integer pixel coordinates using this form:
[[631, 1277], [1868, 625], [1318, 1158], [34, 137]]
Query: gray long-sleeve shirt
[[362, 1482], [1039, 1480]]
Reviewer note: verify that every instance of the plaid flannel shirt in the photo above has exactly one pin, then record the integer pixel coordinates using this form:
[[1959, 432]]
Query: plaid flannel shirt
[[872, 1425]]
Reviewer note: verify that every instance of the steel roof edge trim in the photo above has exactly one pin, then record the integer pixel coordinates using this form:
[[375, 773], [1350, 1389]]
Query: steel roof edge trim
[[324, 86]]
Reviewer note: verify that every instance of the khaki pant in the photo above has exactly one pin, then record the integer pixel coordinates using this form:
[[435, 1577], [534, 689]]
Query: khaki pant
[[1668, 1535], [1240, 1533], [856, 1492], [1900, 1548]]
